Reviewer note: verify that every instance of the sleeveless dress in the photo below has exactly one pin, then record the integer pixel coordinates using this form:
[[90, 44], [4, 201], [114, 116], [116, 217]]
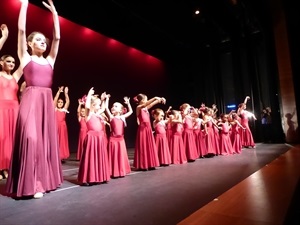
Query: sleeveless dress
[[236, 138], [9, 106], [81, 137], [117, 150], [94, 165], [200, 138], [177, 150], [225, 141], [62, 133], [162, 143], [35, 165], [189, 140], [145, 156], [247, 137]]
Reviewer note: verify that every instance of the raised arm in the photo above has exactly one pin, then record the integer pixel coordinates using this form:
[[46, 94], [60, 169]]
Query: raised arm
[[246, 99], [127, 102], [4, 36], [56, 32], [106, 102], [23, 55], [80, 104], [60, 89], [153, 101], [67, 98]]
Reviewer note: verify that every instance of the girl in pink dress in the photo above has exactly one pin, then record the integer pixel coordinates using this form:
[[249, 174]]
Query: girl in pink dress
[[82, 127], [117, 150], [161, 140], [145, 156], [247, 137], [188, 136], [35, 166], [210, 137], [200, 132], [225, 141], [235, 133], [94, 165], [9, 107], [61, 111], [177, 150]]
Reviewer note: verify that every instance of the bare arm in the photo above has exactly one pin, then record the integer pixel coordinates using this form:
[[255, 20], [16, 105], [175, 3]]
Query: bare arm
[[153, 101], [4, 31], [60, 89], [56, 32], [106, 101], [23, 55], [67, 98], [130, 111], [18, 73], [80, 103], [246, 99]]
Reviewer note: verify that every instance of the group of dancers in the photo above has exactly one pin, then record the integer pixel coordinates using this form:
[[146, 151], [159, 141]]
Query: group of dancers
[[31, 148]]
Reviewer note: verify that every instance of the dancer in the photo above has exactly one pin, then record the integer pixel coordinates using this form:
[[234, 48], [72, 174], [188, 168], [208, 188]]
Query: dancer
[[160, 125], [9, 105], [94, 165], [145, 156], [225, 141], [82, 125], [188, 136], [61, 110], [177, 150], [247, 137], [117, 150], [35, 166]]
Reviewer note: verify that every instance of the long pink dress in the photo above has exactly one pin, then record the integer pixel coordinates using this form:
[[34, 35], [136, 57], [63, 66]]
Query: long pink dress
[[117, 150], [62, 134], [35, 165], [210, 140], [177, 150], [145, 156], [247, 138], [81, 137], [94, 164], [236, 138], [189, 140], [225, 141], [162, 143], [9, 107], [200, 139]]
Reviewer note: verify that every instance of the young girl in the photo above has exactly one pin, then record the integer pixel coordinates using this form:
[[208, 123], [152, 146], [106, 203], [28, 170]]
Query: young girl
[[247, 138], [9, 107], [35, 166], [225, 141], [235, 133], [188, 133], [200, 132], [94, 165], [161, 140], [177, 150], [82, 125], [117, 150], [61, 111], [145, 156]]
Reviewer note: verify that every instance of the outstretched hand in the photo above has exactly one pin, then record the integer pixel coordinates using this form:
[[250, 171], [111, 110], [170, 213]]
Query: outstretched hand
[[50, 6], [4, 30], [126, 100]]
